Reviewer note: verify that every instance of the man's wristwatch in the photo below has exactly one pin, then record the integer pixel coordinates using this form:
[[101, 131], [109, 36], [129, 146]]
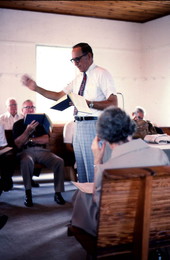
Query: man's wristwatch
[[91, 105]]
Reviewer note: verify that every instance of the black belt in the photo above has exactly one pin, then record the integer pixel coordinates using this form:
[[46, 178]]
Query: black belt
[[83, 118]]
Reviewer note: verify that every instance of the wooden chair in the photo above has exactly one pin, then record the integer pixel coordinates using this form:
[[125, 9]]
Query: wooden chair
[[134, 214]]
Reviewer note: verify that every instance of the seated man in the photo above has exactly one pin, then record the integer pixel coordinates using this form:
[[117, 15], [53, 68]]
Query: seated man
[[115, 128], [138, 114], [8, 118], [144, 127], [7, 163], [30, 141]]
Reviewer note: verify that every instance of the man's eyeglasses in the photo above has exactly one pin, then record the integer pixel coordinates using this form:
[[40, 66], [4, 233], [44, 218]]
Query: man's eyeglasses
[[29, 107], [77, 59], [12, 105]]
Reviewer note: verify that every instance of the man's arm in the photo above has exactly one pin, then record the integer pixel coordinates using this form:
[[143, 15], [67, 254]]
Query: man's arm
[[31, 84], [101, 105], [2, 147], [44, 139]]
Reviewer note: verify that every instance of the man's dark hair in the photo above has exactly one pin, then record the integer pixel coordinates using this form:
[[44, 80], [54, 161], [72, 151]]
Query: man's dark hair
[[85, 47], [114, 125]]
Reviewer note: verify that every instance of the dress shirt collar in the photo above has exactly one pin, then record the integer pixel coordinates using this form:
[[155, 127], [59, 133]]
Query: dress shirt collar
[[92, 66], [9, 115]]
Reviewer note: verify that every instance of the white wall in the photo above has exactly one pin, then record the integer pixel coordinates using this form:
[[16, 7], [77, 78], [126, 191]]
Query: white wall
[[127, 50], [156, 69]]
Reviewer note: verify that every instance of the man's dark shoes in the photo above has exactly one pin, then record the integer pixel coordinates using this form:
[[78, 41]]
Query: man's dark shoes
[[58, 198], [28, 202], [7, 184], [3, 220], [34, 184], [28, 199], [1, 186]]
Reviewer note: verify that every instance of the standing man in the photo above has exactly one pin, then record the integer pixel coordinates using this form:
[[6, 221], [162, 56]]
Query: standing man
[[97, 86], [8, 118], [30, 141]]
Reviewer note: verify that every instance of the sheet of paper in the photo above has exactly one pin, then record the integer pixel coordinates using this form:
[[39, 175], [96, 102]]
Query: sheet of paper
[[86, 187], [157, 138], [80, 103]]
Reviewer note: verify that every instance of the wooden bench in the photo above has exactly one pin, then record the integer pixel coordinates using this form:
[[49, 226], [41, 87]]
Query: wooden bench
[[134, 214], [165, 129]]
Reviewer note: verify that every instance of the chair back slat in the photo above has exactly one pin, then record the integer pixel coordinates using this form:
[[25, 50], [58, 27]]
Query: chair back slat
[[160, 210]]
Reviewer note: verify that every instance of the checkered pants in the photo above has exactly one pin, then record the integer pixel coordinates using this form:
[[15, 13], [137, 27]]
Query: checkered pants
[[84, 133]]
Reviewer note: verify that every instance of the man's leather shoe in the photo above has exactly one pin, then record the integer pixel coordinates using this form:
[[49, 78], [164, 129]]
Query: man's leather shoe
[[28, 202], [3, 220], [28, 199], [7, 184], [58, 198], [1, 187], [34, 184]]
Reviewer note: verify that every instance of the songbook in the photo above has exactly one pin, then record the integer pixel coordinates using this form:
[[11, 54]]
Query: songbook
[[42, 118], [78, 101], [86, 187], [157, 139]]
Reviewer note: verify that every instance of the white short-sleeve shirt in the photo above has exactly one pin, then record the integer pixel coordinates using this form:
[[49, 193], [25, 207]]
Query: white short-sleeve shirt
[[3, 141], [7, 120], [99, 86]]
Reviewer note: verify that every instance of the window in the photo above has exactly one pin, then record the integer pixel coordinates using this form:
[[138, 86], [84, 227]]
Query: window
[[54, 72]]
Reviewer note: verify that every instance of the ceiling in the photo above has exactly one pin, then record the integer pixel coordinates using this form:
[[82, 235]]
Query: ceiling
[[129, 11]]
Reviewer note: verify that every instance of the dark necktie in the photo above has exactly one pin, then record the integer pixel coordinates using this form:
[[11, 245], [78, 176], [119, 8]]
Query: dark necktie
[[81, 90], [82, 86]]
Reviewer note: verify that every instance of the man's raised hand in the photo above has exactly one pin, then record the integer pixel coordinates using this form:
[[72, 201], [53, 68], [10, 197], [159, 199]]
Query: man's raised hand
[[28, 82]]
